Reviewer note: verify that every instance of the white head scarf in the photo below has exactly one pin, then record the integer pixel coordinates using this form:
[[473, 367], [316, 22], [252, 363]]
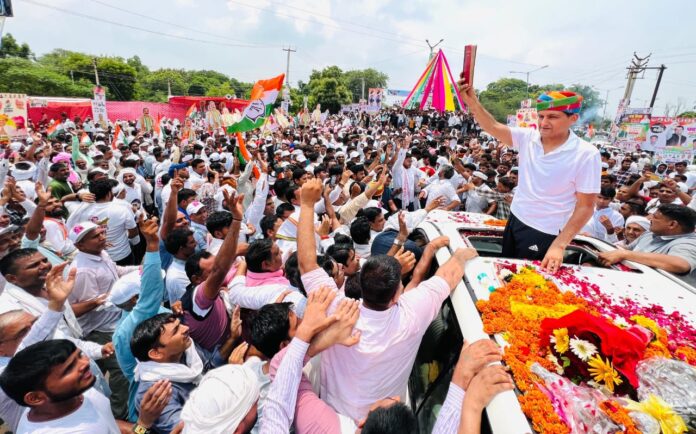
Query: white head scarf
[[220, 402], [640, 221]]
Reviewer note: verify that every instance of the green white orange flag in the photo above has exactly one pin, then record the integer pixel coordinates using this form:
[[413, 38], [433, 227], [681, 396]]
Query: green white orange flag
[[54, 130], [85, 140], [157, 128], [119, 136], [263, 95], [192, 111]]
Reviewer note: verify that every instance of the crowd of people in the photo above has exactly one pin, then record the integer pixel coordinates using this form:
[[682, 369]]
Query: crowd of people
[[162, 283]]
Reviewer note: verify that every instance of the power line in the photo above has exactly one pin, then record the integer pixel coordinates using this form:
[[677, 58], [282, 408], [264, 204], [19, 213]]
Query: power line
[[128, 26], [158, 20]]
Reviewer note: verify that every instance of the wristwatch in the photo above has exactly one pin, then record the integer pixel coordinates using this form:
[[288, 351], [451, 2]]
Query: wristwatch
[[139, 429], [398, 243]]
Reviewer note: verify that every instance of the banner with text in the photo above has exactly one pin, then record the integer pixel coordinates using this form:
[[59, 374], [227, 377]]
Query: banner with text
[[13, 117], [674, 139]]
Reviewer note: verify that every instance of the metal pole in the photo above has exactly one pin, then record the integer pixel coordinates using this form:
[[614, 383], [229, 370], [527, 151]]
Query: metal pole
[[287, 66], [363, 88], [657, 85], [96, 72], [528, 85]]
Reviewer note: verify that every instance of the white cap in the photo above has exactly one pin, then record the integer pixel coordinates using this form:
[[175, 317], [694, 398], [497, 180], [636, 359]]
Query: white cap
[[79, 231], [480, 175], [301, 159], [125, 288], [284, 154], [215, 157], [354, 154], [194, 207], [187, 158], [340, 154], [374, 204]]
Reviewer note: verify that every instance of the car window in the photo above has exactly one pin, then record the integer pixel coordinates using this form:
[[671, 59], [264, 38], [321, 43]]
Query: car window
[[432, 370]]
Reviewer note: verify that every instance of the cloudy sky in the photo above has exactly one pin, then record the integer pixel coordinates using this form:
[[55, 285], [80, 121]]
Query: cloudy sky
[[589, 42]]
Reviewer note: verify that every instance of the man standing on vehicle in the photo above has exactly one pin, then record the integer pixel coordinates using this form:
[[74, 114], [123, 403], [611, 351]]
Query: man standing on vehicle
[[559, 177]]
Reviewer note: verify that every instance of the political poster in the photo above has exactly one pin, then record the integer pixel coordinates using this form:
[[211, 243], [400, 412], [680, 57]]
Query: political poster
[[99, 108], [511, 120], [13, 117], [676, 138], [528, 118], [394, 97], [362, 105], [374, 100], [634, 124]]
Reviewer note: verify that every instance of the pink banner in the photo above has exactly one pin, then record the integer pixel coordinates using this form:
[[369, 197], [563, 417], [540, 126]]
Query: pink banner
[[129, 110]]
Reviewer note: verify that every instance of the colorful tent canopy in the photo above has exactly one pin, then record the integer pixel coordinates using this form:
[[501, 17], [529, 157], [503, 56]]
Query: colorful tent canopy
[[435, 86]]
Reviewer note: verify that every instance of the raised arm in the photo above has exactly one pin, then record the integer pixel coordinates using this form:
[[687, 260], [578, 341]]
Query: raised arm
[[453, 270], [228, 250], [485, 120], [306, 244], [171, 209], [36, 221]]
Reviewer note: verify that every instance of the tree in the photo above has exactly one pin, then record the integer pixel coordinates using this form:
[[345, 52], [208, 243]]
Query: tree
[[10, 48], [331, 93], [19, 75], [502, 97], [591, 103], [687, 114], [372, 79], [156, 84], [118, 77]]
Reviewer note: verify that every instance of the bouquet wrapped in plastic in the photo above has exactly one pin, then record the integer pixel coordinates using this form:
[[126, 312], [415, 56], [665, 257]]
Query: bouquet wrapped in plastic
[[674, 382], [577, 406]]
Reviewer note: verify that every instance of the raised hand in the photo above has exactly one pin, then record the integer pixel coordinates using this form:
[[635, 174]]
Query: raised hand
[[149, 229], [58, 289], [235, 324], [154, 402], [311, 192], [315, 318], [341, 332], [43, 195], [325, 226], [235, 204], [237, 356], [407, 260]]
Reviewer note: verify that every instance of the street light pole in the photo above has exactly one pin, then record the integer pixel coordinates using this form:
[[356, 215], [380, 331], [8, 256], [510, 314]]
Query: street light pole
[[432, 47], [526, 73]]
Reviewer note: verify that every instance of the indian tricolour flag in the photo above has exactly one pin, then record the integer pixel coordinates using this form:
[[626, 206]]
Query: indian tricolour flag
[[157, 128], [119, 136], [263, 95], [85, 140], [192, 111], [54, 130]]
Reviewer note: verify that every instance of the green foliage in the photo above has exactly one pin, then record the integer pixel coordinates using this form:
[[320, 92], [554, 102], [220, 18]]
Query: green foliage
[[19, 75], [688, 114], [10, 48], [503, 97], [331, 87], [70, 73]]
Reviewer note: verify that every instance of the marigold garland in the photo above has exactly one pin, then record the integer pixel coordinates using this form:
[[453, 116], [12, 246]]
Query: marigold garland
[[517, 309], [619, 415]]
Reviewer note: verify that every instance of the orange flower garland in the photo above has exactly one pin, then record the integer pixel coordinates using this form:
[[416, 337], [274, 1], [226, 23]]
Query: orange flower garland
[[619, 415], [526, 294]]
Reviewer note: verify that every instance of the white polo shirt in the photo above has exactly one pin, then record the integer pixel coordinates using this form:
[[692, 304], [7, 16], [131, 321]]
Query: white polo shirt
[[545, 197]]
